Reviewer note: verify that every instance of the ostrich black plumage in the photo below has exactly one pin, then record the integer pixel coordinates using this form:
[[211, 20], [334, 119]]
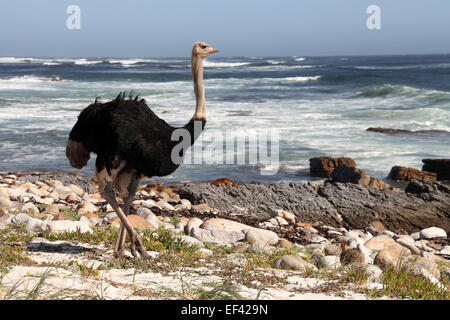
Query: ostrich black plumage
[[132, 142]]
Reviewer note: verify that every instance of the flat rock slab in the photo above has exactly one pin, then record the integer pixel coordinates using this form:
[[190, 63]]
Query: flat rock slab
[[353, 206]]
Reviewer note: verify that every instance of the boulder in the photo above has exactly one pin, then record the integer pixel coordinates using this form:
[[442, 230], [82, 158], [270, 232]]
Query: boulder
[[220, 237], [137, 222], [439, 166], [355, 175], [407, 174], [379, 242], [266, 236], [223, 224], [323, 166], [392, 256]]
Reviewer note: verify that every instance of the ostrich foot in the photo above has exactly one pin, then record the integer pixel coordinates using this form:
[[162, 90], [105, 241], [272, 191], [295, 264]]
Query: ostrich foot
[[137, 244]]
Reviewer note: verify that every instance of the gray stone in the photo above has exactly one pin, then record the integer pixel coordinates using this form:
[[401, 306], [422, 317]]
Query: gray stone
[[433, 232], [329, 262], [407, 244], [267, 236], [445, 251], [148, 215], [237, 259], [374, 273], [192, 223], [20, 218], [190, 240], [5, 202], [34, 225], [217, 236], [110, 216], [293, 263]]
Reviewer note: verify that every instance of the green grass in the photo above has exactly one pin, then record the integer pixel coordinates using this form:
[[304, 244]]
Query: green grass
[[400, 284]]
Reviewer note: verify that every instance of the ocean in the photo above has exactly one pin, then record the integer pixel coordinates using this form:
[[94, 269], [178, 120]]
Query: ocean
[[320, 106]]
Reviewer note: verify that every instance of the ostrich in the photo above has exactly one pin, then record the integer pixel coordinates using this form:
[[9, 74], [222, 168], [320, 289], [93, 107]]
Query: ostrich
[[132, 142]]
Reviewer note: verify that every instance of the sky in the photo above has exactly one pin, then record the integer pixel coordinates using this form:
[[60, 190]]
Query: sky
[[168, 28]]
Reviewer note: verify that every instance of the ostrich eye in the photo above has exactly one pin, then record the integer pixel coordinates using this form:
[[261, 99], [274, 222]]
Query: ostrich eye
[[204, 47]]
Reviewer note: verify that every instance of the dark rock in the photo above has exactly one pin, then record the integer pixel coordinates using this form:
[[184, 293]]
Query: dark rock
[[407, 174], [402, 131], [439, 166], [350, 174], [335, 204], [355, 175], [323, 166]]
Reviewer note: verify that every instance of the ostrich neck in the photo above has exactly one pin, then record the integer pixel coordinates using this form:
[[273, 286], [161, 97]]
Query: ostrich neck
[[199, 89], [197, 123]]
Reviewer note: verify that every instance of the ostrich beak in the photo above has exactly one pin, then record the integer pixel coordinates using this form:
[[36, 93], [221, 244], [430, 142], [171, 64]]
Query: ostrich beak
[[212, 50]]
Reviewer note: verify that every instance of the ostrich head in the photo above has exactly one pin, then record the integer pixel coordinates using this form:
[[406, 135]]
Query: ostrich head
[[202, 49]]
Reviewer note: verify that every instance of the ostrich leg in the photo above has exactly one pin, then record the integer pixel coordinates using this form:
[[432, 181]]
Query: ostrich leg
[[135, 238], [128, 199]]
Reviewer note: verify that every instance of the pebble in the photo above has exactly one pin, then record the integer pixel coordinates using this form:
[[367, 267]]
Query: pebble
[[148, 215], [407, 244], [329, 262], [285, 244], [28, 207], [192, 223], [87, 207], [432, 233], [164, 205], [240, 247], [221, 237], [203, 207], [4, 201], [293, 263], [189, 240], [72, 197], [387, 233], [374, 273], [445, 251], [76, 189], [20, 218], [266, 236], [237, 259], [34, 225], [287, 216]]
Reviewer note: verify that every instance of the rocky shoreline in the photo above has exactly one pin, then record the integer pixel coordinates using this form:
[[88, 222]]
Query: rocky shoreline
[[298, 228]]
